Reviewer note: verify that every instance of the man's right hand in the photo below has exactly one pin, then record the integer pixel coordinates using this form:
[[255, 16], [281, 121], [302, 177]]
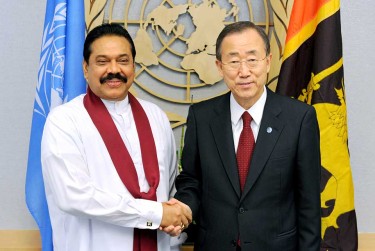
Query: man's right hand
[[176, 213]]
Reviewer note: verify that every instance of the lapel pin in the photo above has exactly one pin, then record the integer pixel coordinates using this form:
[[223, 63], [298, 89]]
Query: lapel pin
[[269, 129]]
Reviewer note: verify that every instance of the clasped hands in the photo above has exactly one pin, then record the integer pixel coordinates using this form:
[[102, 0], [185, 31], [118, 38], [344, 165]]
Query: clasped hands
[[176, 217]]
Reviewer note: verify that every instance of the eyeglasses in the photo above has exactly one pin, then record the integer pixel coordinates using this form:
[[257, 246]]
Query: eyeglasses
[[251, 63]]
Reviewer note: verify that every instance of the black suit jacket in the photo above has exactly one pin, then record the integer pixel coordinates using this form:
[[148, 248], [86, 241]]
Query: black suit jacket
[[279, 209]]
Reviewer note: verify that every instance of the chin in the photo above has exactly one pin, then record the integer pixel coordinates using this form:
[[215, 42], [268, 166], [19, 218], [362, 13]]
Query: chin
[[113, 97]]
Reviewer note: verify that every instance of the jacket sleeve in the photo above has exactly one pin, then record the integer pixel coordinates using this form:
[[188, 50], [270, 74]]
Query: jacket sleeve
[[308, 183], [189, 180]]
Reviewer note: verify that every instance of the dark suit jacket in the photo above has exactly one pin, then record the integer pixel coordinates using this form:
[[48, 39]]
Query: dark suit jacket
[[279, 209]]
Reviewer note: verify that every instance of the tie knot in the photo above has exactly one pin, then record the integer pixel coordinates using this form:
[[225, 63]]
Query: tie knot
[[246, 119]]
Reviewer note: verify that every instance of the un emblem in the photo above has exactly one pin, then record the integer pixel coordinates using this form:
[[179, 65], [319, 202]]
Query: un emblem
[[175, 43]]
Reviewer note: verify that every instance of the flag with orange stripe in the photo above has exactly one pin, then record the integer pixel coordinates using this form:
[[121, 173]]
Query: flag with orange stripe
[[312, 71]]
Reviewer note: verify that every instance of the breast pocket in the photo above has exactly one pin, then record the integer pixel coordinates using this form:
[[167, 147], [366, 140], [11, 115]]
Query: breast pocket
[[282, 154], [282, 163]]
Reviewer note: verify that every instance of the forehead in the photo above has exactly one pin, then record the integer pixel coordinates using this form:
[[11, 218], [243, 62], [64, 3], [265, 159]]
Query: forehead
[[244, 42], [110, 44]]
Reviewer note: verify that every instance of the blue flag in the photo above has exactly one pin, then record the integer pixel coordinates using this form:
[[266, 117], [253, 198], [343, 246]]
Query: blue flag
[[60, 79]]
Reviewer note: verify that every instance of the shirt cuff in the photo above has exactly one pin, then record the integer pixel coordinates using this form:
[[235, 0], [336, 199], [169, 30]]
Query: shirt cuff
[[151, 215]]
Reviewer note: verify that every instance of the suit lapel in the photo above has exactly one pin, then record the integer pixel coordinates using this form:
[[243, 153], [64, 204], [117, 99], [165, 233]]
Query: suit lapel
[[269, 131], [222, 132]]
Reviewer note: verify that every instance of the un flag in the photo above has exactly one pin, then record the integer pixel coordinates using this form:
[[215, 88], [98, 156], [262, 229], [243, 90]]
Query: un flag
[[60, 79]]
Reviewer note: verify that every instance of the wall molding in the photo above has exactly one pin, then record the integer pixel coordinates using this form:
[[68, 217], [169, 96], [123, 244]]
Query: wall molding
[[29, 240]]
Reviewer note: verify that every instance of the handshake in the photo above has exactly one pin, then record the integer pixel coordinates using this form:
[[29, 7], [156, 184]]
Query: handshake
[[176, 217]]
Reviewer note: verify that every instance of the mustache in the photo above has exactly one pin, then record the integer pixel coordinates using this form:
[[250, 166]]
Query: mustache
[[111, 76]]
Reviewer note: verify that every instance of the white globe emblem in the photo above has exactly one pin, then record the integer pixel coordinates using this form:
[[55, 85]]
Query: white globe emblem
[[175, 43], [176, 49]]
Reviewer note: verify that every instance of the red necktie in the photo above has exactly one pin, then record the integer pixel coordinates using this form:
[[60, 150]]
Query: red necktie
[[245, 149]]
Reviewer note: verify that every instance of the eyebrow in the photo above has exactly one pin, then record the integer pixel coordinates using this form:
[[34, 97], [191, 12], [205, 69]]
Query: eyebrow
[[119, 56], [250, 52]]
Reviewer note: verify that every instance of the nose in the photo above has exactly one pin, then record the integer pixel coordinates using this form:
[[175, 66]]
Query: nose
[[113, 67], [244, 69]]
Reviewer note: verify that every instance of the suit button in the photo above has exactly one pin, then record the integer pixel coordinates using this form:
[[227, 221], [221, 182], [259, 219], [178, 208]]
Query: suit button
[[233, 243], [241, 210]]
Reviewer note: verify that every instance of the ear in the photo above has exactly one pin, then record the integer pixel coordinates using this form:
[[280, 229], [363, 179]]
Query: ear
[[269, 59], [219, 66], [85, 69]]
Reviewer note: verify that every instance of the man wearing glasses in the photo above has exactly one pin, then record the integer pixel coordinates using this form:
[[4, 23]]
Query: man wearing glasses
[[251, 158]]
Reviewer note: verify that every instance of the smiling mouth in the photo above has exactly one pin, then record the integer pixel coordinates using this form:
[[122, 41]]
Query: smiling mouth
[[114, 83], [247, 83]]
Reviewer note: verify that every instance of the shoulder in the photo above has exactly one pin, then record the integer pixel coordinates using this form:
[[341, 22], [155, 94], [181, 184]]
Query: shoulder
[[154, 113], [68, 113], [150, 108], [290, 110], [210, 105], [288, 103], [148, 105], [67, 119], [69, 108]]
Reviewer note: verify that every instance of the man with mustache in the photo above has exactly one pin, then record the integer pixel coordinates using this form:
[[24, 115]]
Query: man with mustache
[[109, 159]]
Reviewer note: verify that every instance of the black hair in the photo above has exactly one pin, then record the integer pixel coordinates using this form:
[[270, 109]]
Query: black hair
[[106, 30], [239, 27]]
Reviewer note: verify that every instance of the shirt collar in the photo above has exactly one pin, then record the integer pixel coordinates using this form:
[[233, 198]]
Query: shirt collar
[[256, 111], [119, 107]]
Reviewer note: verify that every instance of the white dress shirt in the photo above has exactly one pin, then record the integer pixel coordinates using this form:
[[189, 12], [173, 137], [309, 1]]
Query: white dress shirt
[[90, 208], [256, 112]]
